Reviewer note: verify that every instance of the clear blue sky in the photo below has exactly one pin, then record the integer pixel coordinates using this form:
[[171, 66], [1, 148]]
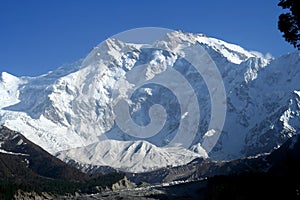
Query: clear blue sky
[[37, 36]]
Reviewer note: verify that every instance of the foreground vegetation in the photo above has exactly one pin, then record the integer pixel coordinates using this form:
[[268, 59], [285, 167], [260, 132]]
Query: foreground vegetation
[[39, 185]]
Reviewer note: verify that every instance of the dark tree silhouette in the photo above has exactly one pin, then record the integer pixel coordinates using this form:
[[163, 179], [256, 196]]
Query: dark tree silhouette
[[289, 23]]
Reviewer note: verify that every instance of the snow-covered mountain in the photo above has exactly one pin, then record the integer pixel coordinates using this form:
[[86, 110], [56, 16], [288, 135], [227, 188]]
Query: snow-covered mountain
[[69, 112]]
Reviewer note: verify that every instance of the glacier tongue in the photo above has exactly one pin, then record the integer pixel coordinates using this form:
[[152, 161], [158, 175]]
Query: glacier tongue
[[69, 111]]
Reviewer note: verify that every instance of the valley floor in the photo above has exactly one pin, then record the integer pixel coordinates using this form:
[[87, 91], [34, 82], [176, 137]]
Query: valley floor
[[190, 190]]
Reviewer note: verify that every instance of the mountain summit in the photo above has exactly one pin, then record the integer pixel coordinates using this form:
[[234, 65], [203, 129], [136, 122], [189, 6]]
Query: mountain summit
[[69, 112]]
